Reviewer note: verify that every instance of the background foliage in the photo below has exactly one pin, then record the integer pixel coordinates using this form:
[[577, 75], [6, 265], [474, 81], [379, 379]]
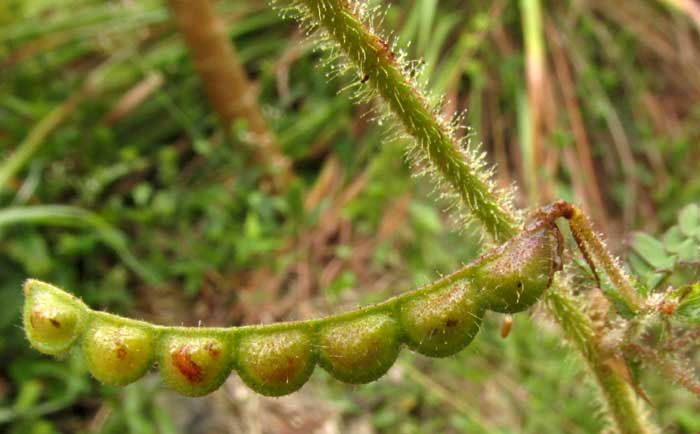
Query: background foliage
[[139, 203]]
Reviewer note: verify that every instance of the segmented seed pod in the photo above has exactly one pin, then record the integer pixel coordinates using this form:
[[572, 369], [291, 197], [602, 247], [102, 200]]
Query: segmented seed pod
[[275, 363], [359, 350], [118, 354], [193, 364], [441, 323], [515, 277], [53, 319], [355, 347]]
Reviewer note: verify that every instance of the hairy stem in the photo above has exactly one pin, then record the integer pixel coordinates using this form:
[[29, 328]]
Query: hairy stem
[[379, 65], [679, 371], [621, 404], [381, 69], [225, 81]]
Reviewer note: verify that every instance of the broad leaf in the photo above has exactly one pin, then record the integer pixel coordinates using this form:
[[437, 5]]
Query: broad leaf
[[652, 251]]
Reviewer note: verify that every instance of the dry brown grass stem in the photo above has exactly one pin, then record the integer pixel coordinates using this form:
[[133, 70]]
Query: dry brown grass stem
[[226, 83]]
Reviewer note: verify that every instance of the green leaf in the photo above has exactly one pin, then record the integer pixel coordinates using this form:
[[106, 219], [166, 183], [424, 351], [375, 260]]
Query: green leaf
[[673, 238], [646, 274], [689, 221], [689, 307], [652, 251], [689, 251]]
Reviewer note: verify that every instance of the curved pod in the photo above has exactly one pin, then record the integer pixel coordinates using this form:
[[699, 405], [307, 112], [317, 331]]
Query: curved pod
[[356, 347]]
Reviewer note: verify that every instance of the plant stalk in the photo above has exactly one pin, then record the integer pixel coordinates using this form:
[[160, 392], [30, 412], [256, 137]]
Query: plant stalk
[[620, 402], [36, 137], [91, 86], [379, 65], [535, 67]]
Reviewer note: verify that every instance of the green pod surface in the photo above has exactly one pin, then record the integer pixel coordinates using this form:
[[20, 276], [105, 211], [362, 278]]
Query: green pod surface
[[436, 320], [117, 354], [192, 364], [441, 323], [275, 363], [53, 319], [514, 277], [359, 350]]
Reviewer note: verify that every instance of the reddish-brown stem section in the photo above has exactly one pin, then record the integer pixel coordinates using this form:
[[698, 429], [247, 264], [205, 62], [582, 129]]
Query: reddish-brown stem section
[[592, 247], [555, 210], [225, 81], [583, 230]]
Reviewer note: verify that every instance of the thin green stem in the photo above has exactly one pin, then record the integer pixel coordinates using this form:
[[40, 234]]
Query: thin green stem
[[531, 145], [49, 123], [36, 138]]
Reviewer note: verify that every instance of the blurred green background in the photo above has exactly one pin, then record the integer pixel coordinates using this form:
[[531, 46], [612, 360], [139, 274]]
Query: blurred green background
[[121, 186]]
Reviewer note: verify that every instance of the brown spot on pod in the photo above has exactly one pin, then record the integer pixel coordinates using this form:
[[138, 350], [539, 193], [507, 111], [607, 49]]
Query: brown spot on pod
[[443, 322], [53, 319], [359, 350], [182, 359], [275, 363], [118, 354], [514, 278], [194, 365]]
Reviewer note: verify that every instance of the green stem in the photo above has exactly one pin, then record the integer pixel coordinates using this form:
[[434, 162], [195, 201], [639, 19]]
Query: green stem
[[532, 123], [678, 369], [49, 123], [434, 137], [382, 70]]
